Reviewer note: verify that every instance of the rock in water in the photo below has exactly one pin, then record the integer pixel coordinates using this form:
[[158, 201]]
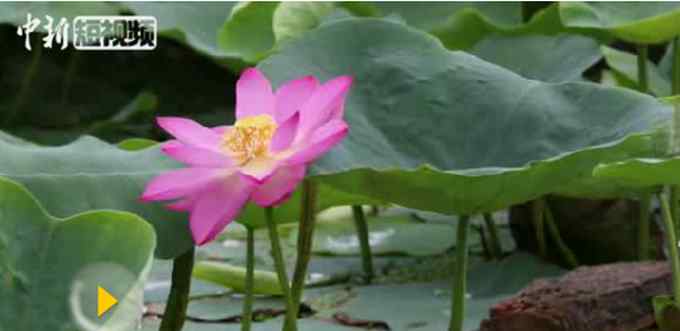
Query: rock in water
[[611, 297]]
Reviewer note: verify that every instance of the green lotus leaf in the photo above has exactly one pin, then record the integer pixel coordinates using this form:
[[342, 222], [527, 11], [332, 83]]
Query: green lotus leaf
[[136, 144], [642, 172], [248, 33], [641, 22], [195, 24], [559, 58], [292, 19], [234, 277], [254, 29], [50, 267], [235, 34], [429, 16], [91, 174], [445, 131]]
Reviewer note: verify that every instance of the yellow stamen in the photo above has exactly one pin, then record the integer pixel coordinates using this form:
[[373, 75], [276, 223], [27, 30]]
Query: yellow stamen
[[249, 138]]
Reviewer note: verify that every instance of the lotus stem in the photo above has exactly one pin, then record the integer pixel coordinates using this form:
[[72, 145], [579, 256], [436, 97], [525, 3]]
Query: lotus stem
[[247, 317], [459, 285], [672, 246], [482, 237], [304, 249], [674, 206], [643, 78], [675, 81], [643, 227], [375, 210], [564, 250], [365, 245], [279, 264], [675, 90], [178, 299], [537, 216], [495, 243]]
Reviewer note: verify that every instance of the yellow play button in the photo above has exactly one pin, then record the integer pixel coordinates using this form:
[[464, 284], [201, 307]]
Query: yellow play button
[[105, 301]]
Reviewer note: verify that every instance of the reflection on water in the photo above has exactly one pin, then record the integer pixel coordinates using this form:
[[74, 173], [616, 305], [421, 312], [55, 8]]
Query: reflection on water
[[231, 243], [350, 242]]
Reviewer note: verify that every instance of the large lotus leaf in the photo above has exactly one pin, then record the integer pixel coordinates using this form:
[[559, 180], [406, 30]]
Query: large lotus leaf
[[636, 22], [643, 172], [445, 131], [558, 58], [193, 23], [13, 140], [632, 177], [91, 174], [429, 16], [51, 267]]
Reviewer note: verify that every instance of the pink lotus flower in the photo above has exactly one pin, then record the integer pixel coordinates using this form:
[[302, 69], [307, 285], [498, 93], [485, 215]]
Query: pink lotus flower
[[261, 158]]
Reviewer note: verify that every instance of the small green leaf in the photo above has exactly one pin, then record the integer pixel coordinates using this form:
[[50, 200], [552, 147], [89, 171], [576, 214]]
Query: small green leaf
[[234, 277], [642, 172], [635, 22], [291, 19], [136, 144], [248, 33]]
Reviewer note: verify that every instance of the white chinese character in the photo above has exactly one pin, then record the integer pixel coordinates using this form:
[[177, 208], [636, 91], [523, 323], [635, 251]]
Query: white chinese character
[[28, 28], [60, 32]]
